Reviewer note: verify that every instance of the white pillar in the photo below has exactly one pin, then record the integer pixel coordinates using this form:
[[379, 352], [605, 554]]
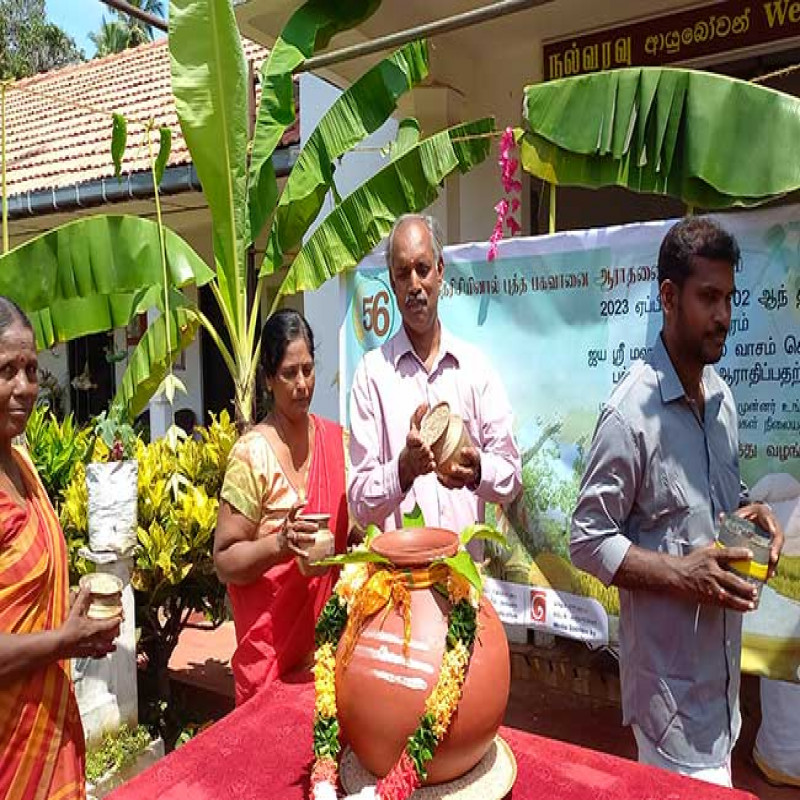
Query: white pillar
[[160, 409], [106, 687]]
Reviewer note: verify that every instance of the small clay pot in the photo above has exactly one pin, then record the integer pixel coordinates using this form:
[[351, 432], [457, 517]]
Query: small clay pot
[[736, 531], [106, 595], [446, 435], [324, 544]]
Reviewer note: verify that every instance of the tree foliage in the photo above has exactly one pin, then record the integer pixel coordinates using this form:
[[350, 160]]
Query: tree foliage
[[29, 44], [114, 36], [122, 31]]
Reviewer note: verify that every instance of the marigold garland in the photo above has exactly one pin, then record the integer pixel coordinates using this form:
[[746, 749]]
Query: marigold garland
[[410, 769]]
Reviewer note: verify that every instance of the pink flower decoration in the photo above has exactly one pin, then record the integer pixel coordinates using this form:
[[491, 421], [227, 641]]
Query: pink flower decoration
[[505, 208], [513, 226]]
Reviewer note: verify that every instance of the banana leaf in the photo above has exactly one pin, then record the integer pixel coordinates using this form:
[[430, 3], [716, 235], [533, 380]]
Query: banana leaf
[[410, 183], [149, 363], [309, 29], [407, 137], [209, 81], [359, 111], [65, 320], [112, 256], [709, 140]]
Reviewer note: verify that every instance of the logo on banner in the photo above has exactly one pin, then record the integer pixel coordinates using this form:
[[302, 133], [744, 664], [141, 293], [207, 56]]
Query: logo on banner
[[538, 606], [373, 311]]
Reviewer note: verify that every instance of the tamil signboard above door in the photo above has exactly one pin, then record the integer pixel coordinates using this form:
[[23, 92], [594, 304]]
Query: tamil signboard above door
[[707, 30]]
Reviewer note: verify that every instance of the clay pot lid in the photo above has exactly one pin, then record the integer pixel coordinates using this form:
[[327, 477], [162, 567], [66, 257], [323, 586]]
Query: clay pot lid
[[413, 547], [434, 423]]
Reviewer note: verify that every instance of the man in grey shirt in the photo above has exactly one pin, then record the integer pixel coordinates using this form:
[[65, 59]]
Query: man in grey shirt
[[662, 468]]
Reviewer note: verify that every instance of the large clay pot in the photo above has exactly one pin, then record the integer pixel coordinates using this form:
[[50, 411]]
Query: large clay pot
[[381, 694]]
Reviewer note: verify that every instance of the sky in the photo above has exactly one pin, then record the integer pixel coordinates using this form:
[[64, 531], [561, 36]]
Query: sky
[[79, 18]]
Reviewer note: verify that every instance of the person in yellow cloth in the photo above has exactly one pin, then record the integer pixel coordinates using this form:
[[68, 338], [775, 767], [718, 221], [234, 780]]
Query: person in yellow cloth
[[41, 738]]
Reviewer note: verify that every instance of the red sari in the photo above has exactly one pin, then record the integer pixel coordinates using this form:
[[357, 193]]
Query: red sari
[[276, 614], [41, 738]]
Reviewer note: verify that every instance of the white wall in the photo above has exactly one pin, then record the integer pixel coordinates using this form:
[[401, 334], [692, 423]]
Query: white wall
[[325, 307]]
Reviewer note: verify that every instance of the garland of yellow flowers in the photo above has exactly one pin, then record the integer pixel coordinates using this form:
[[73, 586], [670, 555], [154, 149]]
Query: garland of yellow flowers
[[344, 614]]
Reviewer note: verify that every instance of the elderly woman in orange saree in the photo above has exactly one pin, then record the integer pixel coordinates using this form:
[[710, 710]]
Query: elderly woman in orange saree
[[41, 738], [291, 460]]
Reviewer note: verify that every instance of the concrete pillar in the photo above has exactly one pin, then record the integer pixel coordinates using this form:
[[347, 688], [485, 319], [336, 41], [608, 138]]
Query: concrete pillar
[[160, 409]]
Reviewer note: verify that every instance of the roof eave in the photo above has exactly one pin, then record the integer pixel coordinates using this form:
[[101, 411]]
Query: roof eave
[[134, 186]]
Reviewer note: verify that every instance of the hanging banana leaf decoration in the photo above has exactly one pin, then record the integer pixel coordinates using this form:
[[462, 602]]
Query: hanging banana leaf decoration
[[709, 140]]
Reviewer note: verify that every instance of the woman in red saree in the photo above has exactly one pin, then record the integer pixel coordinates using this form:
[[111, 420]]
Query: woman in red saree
[[291, 460], [41, 738]]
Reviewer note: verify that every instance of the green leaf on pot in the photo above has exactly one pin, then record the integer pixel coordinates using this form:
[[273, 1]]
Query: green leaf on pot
[[331, 622], [485, 532], [463, 565], [326, 737], [414, 519], [353, 557], [463, 625], [372, 531]]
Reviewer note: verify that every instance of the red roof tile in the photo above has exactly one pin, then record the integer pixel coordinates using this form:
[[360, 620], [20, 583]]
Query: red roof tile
[[58, 124]]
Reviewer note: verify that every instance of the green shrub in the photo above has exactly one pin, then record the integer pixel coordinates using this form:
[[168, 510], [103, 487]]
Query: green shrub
[[116, 751], [56, 448]]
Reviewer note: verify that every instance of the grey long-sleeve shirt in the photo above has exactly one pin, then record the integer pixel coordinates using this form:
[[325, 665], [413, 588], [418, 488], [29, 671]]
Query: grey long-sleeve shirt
[[658, 476]]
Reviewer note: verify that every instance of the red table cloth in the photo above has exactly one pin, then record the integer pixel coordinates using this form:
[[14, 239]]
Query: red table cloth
[[262, 751]]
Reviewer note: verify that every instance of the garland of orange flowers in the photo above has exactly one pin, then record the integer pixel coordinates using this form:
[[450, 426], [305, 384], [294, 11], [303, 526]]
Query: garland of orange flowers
[[350, 593]]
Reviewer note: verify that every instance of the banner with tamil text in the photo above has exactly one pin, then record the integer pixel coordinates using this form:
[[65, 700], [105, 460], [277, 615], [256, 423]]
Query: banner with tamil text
[[562, 317]]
